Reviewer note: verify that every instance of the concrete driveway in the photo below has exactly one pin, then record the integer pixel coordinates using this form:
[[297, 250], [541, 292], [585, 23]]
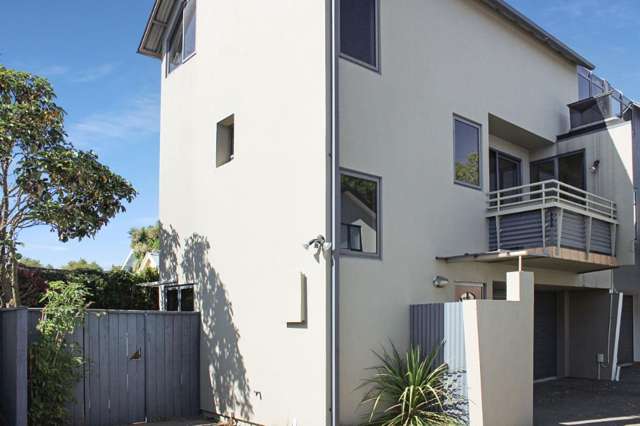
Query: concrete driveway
[[589, 402]]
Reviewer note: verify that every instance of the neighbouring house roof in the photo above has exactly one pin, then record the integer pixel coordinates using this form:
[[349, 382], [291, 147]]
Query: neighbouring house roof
[[151, 260], [158, 22], [129, 262]]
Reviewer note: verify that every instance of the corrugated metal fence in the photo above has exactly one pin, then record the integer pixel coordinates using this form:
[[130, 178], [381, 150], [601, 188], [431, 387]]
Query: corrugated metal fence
[[436, 323], [140, 365]]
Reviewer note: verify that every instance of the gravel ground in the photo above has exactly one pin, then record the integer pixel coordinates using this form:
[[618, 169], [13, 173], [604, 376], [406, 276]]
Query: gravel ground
[[589, 402]]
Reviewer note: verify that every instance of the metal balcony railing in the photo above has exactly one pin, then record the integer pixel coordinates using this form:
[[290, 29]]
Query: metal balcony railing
[[551, 213]]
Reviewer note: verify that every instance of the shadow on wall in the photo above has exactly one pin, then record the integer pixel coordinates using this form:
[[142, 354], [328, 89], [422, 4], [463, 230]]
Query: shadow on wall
[[228, 388]]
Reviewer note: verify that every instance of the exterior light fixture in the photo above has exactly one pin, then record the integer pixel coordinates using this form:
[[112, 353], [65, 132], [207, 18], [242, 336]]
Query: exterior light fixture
[[595, 166], [439, 281], [320, 242]]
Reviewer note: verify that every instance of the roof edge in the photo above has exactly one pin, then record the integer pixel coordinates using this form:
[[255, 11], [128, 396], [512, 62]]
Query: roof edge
[[518, 18], [147, 29]]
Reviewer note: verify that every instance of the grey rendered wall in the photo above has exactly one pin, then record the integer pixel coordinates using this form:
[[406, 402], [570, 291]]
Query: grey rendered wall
[[390, 126], [13, 367]]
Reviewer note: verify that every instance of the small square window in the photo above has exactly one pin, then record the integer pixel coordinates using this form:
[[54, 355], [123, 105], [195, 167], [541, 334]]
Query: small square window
[[360, 219], [466, 151], [225, 141]]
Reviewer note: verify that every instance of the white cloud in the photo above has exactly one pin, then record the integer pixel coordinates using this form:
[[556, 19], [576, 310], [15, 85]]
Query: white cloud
[[52, 71], [46, 247], [138, 118], [94, 73]]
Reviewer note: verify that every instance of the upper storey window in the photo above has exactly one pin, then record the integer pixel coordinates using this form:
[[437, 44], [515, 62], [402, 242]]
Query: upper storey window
[[466, 151], [182, 43], [359, 31]]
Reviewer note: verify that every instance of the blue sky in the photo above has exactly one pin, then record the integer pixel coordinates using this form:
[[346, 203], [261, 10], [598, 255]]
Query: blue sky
[[111, 94]]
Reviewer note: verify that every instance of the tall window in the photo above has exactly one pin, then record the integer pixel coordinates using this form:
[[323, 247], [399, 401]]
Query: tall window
[[466, 151], [504, 171], [182, 44], [360, 219], [359, 31]]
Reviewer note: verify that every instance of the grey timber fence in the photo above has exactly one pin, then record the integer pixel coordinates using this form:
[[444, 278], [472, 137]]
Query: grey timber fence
[[140, 365], [13, 367]]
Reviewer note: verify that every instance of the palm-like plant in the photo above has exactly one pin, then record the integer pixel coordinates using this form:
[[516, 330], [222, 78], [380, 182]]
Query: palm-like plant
[[411, 391]]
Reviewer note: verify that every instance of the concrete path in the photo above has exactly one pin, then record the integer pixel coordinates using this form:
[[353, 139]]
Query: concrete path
[[576, 402]]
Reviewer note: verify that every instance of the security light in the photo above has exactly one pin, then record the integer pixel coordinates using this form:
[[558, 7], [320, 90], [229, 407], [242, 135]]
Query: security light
[[320, 242], [439, 281]]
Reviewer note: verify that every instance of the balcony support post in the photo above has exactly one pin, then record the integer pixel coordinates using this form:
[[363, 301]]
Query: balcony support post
[[559, 238], [588, 236], [544, 227], [498, 231]]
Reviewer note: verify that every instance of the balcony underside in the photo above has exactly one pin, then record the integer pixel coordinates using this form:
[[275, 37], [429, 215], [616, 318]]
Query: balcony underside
[[564, 259]]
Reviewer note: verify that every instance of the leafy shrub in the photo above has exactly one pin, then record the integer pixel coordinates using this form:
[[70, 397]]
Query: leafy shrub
[[115, 289], [411, 391], [55, 365]]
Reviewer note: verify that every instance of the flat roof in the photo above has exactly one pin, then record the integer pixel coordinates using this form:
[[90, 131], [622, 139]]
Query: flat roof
[[158, 22]]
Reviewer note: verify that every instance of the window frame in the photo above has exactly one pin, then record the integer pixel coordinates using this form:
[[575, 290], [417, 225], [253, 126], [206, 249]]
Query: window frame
[[556, 165], [229, 125], [178, 289], [362, 254], [508, 157], [478, 126], [178, 20], [377, 42]]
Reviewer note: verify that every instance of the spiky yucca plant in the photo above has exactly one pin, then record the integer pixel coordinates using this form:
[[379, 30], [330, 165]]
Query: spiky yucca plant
[[411, 391]]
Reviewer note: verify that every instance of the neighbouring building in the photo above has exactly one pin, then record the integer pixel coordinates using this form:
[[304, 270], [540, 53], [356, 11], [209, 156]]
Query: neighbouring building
[[325, 165]]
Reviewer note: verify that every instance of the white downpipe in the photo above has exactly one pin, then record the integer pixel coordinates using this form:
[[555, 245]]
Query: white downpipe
[[615, 376], [334, 170]]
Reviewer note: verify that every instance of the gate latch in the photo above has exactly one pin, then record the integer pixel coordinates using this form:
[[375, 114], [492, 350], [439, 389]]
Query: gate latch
[[136, 355]]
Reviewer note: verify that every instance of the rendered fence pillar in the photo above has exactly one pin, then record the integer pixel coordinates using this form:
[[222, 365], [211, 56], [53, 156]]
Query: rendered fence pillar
[[499, 353], [13, 366]]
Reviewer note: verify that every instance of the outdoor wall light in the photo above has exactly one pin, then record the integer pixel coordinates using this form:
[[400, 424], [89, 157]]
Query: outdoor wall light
[[320, 242], [439, 281], [595, 166]]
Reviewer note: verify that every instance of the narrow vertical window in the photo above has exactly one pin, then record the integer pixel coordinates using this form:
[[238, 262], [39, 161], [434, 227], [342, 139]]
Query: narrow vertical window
[[360, 219], [359, 30], [189, 28], [466, 151], [182, 42], [225, 144]]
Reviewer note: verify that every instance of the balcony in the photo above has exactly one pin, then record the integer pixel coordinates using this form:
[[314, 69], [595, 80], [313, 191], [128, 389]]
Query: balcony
[[553, 219], [550, 225]]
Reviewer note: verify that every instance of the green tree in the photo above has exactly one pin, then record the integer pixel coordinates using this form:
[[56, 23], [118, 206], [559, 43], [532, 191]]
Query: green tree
[[44, 179], [144, 240], [32, 263], [82, 264]]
